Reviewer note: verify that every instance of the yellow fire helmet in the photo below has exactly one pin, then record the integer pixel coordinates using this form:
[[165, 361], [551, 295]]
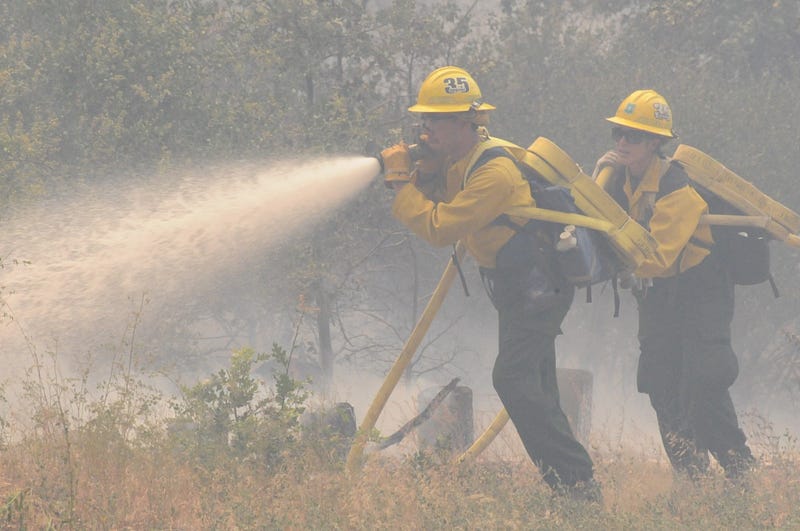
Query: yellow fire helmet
[[646, 110], [450, 89]]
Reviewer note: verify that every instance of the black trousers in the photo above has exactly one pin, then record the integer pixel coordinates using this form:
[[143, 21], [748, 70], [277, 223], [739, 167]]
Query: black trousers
[[530, 312], [687, 364]]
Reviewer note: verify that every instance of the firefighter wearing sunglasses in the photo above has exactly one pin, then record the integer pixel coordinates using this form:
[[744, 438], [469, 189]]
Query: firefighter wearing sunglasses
[[685, 297]]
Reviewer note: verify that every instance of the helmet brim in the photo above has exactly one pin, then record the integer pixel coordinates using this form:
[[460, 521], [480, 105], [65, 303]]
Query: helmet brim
[[417, 108], [636, 125]]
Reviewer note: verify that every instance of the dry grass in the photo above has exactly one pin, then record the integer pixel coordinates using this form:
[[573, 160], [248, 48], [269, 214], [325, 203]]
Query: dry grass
[[124, 487], [73, 462]]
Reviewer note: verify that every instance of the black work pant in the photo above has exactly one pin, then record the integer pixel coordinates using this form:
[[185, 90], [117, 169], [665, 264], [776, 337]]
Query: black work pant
[[524, 373], [687, 364]]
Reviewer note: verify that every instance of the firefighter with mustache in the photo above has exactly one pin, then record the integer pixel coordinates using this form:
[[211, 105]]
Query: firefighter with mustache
[[466, 200]]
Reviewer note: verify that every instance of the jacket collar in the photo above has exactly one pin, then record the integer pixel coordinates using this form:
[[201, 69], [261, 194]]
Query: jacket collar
[[650, 181]]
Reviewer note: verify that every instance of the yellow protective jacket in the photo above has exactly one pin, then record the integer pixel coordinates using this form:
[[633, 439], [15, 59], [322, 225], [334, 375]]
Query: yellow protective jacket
[[666, 204], [441, 212]]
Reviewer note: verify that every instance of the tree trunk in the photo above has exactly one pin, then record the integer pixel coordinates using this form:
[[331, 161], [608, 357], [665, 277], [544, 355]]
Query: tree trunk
[[324, 331]]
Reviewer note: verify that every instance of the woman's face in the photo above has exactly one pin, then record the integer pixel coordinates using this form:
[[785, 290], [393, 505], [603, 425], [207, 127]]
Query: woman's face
[[635, 148]]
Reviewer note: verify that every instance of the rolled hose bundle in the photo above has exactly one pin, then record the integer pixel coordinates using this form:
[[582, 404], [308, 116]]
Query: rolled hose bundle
[[632, 242]]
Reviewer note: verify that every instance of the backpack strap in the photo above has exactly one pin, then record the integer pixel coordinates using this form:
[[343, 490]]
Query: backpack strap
[[479, 158], [457, 263], [485, 155]]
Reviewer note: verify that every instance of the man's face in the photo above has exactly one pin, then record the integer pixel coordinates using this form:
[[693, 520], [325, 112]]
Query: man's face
[[444, 132]]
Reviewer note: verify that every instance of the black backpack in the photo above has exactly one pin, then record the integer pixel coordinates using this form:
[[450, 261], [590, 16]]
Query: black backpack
[[744, 251], [591, 260]]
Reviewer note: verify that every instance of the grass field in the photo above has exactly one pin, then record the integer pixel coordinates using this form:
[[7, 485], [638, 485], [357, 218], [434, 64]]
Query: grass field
[[225, 455], [99, 484]]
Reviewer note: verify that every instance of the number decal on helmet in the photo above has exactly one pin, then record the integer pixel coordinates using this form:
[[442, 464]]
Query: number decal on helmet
[[454, 85]]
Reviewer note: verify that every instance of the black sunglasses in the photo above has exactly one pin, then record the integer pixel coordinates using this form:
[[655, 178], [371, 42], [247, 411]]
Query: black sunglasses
[[632, 136]]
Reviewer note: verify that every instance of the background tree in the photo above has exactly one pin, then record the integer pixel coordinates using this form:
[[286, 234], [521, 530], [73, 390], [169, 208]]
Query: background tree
[[91, 92]]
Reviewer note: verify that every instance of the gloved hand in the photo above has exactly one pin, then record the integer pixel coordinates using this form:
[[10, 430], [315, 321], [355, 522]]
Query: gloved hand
[[396, 164], [610, 158], [428, 165]]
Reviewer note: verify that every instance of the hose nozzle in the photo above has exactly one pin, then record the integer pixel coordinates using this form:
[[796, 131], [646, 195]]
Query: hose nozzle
[[416, 152]]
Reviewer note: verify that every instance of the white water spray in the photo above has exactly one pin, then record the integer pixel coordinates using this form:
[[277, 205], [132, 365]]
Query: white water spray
[[72, 268]]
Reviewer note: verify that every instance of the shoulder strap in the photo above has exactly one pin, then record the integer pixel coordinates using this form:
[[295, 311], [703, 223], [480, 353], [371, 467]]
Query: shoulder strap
[[477, 160], [484, 155]]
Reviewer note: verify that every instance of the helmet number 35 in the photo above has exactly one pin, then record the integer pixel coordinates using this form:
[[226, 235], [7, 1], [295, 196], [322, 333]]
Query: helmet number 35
[[454, 85]]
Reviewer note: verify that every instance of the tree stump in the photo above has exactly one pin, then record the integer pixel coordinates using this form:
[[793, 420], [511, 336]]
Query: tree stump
[[450, 426], [330, 430]]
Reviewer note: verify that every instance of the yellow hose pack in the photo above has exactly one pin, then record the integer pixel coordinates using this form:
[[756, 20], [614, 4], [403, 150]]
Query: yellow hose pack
[[632, 242], [780, 222]]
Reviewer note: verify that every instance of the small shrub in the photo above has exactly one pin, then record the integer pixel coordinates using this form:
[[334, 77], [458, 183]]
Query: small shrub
[[232, 415]]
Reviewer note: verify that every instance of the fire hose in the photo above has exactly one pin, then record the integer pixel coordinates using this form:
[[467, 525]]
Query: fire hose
[[486, 437], [354, 457]]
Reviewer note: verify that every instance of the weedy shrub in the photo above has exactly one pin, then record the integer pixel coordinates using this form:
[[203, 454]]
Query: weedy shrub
[[81, 458], [232, 416]]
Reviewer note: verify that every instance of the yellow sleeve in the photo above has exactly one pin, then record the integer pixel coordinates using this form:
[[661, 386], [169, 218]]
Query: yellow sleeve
[[488, 193], [675, 219]]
